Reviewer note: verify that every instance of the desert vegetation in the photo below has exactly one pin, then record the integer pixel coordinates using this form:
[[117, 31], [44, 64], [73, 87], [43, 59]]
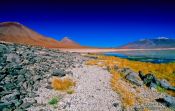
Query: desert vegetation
[[161, 71], [54, 101], [62, 84], [120, 85]]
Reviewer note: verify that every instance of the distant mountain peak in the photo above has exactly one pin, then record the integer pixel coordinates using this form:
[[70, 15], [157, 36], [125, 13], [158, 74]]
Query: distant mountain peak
[[67, 40], [160, 42], [162, 38], [142, 39]]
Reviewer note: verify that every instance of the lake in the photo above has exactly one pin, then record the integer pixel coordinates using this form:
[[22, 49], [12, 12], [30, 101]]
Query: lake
[[156, 56]]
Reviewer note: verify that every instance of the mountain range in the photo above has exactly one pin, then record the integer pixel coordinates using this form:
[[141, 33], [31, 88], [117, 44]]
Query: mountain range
[[160, 42], [18, 33]]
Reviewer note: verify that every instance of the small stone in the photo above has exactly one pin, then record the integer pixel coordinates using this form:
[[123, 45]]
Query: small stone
[[21, 78], [19, 109], [5, 105], [9, 86], [3, 49], [26, 105], [37, 77], [115, 104], [58, 72], [17, 102], [48, 87]]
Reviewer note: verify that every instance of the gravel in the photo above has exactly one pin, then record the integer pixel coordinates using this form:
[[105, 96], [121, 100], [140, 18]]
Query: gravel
[[92, 92]]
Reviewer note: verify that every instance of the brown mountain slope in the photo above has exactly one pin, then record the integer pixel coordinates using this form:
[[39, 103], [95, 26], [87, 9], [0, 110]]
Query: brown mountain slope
[[18, 33]]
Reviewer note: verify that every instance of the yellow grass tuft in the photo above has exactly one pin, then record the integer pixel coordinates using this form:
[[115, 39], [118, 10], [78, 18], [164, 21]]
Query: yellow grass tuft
[[62, 84], [128, 98]]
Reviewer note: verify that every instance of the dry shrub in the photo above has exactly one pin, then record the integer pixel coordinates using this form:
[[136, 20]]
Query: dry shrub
[[62, 84], [128, 98]]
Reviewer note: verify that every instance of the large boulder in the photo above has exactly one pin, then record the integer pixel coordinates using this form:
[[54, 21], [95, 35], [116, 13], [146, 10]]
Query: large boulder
[[164, 84], [134, 78], [168, 101]]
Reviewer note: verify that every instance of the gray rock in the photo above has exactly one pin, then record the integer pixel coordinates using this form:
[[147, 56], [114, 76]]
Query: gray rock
[[9, 86], [2, 76], [16, 102], [126, 71], [165, 84], [3, 49], [12, 96], [168, 101], [13, 58], [5, 105], [134, 78], [29, 88], [25, 85], [26, 105], [3, 93], [172, 88], [21, 78], [37, 77], [19, 109], [32, 95], [58, 72], [22, 71]]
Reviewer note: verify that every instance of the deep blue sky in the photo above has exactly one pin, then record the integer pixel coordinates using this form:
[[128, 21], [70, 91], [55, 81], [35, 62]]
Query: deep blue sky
[[94, 23]]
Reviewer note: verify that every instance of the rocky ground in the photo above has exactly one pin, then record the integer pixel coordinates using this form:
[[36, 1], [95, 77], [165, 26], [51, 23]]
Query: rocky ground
[[24, 69], [26, 73]]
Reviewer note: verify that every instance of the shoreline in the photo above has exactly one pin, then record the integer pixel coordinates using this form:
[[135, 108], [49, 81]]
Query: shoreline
[[110, 50]]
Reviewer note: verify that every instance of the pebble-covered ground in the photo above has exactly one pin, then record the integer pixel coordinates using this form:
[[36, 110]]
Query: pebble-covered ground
[[93, 91]]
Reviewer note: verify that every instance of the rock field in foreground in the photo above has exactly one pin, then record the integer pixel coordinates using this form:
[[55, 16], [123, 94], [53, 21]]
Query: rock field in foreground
[[23, 69]]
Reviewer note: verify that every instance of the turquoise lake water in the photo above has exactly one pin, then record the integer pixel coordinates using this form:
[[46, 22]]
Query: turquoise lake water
[[158, 56]]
